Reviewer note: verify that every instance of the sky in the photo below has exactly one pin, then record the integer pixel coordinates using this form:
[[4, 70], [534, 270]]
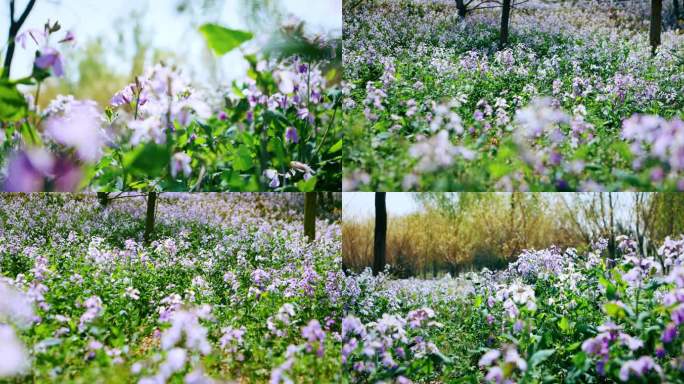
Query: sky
[[168, 30], [360, 205]]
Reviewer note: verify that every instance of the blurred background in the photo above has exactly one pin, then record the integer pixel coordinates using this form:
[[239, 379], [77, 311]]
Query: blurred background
[[116, 40], [430, 234]]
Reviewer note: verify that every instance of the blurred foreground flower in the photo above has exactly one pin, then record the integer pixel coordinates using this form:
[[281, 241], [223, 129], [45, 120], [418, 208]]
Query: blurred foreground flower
[[36, 170]]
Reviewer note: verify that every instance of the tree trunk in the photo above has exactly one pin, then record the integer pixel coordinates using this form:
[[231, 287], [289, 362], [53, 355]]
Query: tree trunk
[[505, 15], [611, 244], [103, 198], [149, 219], [380, 233], [656, 24], [310, 216], [14, 27], [460, 5], [675, 9]]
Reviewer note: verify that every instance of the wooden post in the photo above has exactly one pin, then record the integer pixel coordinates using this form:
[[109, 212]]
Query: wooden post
[[103, 198], [149, 219], [310, 216]]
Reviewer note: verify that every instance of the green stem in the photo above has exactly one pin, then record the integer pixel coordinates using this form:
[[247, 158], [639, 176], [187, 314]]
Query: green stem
[[123, 170], [325, 133], [35, 103]]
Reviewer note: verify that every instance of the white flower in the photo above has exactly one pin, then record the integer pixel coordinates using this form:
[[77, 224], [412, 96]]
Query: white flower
[[149, 128], [272, 175], [180, 162], [132, 293], [285, 80], [76, 124], [176, 358], [14, 359], [15, 306]]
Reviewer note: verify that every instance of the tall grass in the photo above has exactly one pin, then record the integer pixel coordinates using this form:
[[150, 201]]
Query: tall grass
[[488, 232]]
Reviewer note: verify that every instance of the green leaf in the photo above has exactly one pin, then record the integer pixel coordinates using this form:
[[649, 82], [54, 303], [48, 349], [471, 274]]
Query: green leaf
[[149, 160], [439, 356], [564, 324], [223, 40], [613, 310], [336, 147], [541, 355], [12, 103], [307, 185], [242, 159]]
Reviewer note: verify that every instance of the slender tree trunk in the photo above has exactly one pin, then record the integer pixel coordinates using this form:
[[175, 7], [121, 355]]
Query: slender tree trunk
[[149, 219], [613, 246], [505, 15], [675, 9], [103, 198], [460, 5], [310, 216], [656, 24], [14, 27], [380, 233]]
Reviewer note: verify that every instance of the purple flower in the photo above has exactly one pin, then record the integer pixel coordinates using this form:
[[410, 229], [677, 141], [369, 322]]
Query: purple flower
[[76, 124], [638, 368], [291, 135], [669, 334], [38, 36], [180, 162], [70, 37], [495, 375], [677, 315], [489, 358], [313, 333], [272, 175], [417, 317], [352, 326], [34, 170], [50, 58], [124, 96], [222, 116]]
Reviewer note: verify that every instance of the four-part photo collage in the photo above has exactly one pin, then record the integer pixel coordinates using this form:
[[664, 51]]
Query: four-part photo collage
[[341, 191]]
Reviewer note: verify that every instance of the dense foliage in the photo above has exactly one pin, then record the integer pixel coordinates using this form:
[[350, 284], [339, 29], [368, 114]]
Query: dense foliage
[[229, 289], [574, 101], [552, 316]]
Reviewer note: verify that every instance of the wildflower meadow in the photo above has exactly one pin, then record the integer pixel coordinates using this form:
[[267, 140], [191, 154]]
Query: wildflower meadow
[[513, 95], [276, 128], [226, 289], [607, 310]]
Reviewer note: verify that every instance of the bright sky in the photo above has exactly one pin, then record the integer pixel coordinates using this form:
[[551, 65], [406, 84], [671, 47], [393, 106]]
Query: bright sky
[[362, 204], [168, 30]]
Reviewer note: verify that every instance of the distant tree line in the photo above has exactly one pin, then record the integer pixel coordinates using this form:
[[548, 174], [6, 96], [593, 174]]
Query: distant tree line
[[456, 232]]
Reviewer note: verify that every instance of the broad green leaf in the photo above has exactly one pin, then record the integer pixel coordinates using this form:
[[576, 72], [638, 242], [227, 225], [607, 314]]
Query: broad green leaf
[[242, 159], [150, 160], [564, 324], [223, 40], [12, 103], [307, 185], [336, 147], [613, 310], [541, 355]]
